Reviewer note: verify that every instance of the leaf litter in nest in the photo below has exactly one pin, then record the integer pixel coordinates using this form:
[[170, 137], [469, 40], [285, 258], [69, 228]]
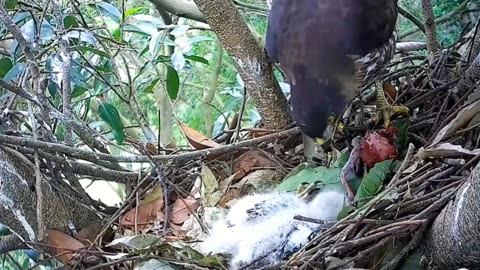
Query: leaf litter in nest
[[147, 213], [210, 192], [196, 139], [182, 209], [245, 163], [62, 244], [148, 210], [461, 120]]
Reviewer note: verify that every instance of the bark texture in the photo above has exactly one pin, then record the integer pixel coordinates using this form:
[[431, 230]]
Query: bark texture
[[430, 27], [470, 79], [250, 60], [18, 202], [454, 240]]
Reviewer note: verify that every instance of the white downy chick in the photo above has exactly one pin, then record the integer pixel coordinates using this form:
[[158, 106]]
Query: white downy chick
[[260, 229]]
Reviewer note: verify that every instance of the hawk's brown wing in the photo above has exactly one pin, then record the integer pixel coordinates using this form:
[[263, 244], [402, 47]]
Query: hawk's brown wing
[[313, 40]]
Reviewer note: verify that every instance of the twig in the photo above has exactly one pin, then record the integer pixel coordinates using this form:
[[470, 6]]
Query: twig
[[405, 13], [439, 20], [392, 264], [403, 167], [240, 115], [38, 180], [66, 68]]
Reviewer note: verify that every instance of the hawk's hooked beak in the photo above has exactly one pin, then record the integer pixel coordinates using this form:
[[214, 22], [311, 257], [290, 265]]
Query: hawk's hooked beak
[[329, 132]]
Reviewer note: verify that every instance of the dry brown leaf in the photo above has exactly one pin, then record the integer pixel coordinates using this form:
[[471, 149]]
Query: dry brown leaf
[[261, 179], [210, 193], [247, 161], [461, 120], [390, 92], [153, 195], [230, 195], [196, 139], [226, 183], [182, 208], [446, 150], [147, 213], [63, 244], [475, 121], [90, 232]]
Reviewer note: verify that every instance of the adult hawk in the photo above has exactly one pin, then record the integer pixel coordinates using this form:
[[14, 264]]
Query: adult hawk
[[328, 49]]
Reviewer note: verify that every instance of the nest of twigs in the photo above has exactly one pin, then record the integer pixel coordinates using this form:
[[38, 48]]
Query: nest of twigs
[[382, 232]]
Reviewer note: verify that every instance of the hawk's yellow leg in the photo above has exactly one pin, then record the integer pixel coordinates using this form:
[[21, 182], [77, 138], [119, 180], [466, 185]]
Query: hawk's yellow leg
[[384, 110]]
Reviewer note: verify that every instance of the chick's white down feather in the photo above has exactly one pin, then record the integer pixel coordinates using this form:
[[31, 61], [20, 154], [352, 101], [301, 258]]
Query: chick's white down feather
[[260, 229]]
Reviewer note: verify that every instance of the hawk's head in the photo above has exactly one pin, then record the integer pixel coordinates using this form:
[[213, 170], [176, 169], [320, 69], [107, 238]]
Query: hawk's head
[[315, 102]]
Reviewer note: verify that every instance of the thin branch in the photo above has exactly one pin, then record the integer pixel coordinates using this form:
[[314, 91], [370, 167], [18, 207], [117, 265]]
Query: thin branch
[[66, 68], [18, 91], [430, 28], [17, 34], [88, 155], [439, 20], [405, 13]]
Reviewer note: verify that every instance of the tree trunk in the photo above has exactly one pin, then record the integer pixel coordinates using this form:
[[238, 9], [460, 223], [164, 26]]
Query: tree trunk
[[250, 60], [454, 239], [18, 202]]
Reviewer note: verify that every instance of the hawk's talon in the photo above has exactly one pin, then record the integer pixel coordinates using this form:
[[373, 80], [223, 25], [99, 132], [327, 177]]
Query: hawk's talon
[[384, 110]]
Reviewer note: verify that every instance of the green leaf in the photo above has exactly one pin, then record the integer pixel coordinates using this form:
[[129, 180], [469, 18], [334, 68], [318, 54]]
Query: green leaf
[[109, 10], [14, 72], [70, 22], [110, 115], [373, 181], [136, 242], [401, 140], [93, 50], [154, 264], [309, 175], [133, 11], [77, 78], [342, 160], [345, 212], [5, 65], [162, 59], [196, 59], [173, 83], [78, 91], [149, 88], [155, 43], [117, 34], [52, 88], [10, 4]]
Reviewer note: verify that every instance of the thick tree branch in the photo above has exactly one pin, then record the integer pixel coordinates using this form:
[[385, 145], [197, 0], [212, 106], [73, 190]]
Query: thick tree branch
[[182, 8], [453, 240], [250, 60]]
